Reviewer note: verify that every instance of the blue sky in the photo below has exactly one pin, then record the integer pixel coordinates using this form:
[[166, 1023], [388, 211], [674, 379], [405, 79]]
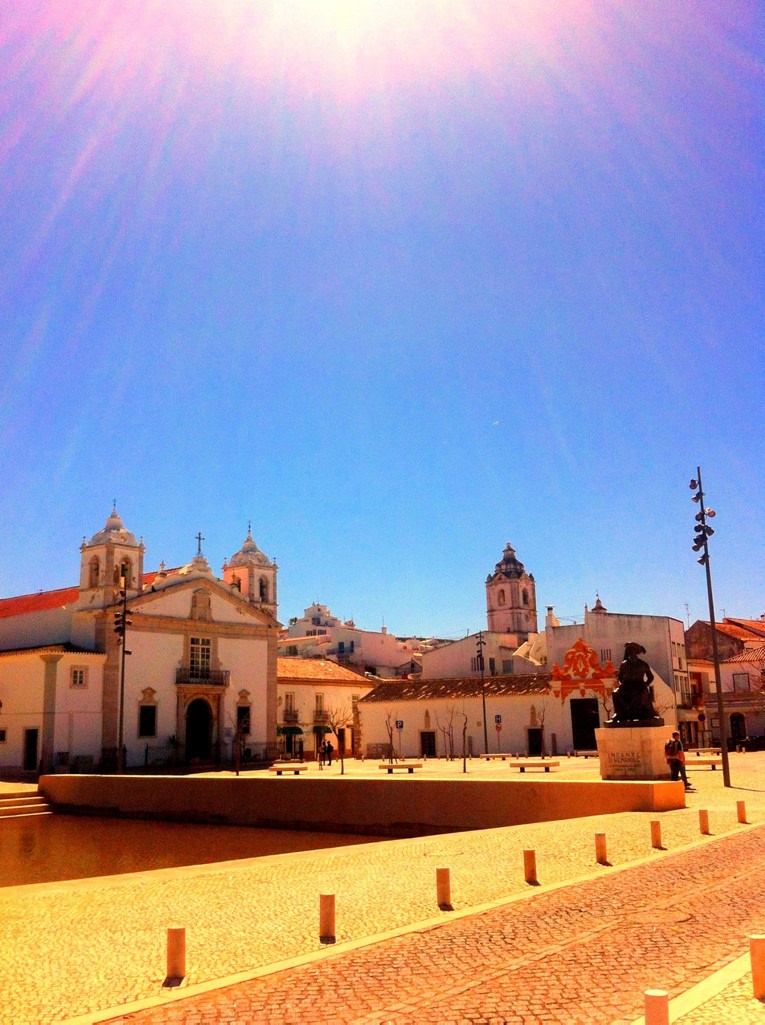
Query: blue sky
[[398, 283]]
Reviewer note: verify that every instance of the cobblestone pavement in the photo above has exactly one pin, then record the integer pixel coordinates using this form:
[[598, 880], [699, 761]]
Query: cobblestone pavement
[[734, 1005], [86, 946], [580, 954]]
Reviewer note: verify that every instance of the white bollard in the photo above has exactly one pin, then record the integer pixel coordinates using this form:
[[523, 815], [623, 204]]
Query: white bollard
[[704, 821], [656, 1007], [443, 888], [757, 955], [176, 952], [601, 854], [327, 917], [741, 809], [530, 867], [656, 836]]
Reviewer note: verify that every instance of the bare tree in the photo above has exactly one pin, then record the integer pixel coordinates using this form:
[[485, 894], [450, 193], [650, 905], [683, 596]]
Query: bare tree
[[338, 719], [447, 728], [389, 721]]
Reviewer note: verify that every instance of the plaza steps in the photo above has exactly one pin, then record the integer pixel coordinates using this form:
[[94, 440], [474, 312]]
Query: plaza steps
[[23, 803]]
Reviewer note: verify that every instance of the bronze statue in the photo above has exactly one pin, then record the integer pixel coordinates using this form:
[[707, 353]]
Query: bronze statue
[[633, 698]]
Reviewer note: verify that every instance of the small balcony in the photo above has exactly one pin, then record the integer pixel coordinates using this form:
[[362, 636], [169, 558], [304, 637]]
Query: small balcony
[[320, 717], [291, 715], [205, 677]]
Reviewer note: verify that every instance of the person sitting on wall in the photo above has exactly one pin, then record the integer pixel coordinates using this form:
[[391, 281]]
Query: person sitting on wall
[[633, 698]]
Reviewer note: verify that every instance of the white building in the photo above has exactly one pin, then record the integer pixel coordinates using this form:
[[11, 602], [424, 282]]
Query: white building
[[379, 653], [200, 662], [551, 712], [318, 699], [607, 633], [501, 656]]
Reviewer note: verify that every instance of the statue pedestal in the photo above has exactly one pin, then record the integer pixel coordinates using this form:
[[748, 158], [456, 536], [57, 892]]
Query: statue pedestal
[[632, 752]]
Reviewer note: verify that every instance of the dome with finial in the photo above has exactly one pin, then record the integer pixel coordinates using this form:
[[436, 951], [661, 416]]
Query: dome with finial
[[114, 531], [509, 566], [249, 554], [598, 606]]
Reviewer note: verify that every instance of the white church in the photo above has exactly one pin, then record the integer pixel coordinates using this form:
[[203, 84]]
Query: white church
[[198, 668]]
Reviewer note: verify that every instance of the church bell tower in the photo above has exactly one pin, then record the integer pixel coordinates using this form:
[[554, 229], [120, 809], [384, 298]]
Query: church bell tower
[[511, 598]]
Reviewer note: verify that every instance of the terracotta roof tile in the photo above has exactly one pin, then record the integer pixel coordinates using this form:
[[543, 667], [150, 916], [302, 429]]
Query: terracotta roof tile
[[317, 669], [44, 601], [752, 626], [64, 648], [749, 655], [463, 687]]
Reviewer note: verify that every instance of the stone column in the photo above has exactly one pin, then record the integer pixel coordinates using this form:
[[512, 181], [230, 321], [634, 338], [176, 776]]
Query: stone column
[[49, 711]]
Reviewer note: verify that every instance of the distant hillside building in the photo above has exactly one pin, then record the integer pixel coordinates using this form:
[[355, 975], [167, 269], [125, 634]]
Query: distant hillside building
[[379, 653]]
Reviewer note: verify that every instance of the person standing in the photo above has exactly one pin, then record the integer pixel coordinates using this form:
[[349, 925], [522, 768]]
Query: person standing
[[675, 755], [330, 750]]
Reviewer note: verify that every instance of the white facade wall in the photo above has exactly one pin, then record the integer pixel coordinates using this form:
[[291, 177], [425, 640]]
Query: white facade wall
[[52, 626], [451, 661], [519, 713], [77, 716], [78, 709], [608, 632]]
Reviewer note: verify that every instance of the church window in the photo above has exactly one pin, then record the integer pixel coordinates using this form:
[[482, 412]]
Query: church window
[[243, 720], [200, 658], [3, 736], [95, 572], [126, 572], [501, 598], [525, 596], [147, 720], [263, 589], [78, 676]]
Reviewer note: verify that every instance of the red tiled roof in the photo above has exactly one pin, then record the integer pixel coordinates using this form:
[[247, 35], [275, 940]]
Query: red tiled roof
[[735, 628], [316, 670], [65, 648], [44, 601], [463, 687], [753, 626], [749, 655]]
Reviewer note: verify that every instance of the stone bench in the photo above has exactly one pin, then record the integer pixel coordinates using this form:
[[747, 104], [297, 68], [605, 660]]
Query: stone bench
[[498, 754], [698, 751], [586, 754], [712, 762], [408, 766], [294, 767], [542, 763]]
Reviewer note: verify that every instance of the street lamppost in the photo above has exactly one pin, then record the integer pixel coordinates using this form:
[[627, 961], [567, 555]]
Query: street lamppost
[[121, 623], [701, 544], [479, 644]]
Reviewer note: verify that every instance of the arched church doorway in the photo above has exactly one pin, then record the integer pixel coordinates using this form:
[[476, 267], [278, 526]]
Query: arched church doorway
[[198, 730]]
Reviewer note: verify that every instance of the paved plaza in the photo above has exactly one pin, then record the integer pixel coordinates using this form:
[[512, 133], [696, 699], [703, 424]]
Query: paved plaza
[[580, 947]]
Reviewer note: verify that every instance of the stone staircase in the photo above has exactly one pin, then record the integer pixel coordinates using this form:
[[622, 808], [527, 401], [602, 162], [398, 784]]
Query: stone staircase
[[14, 804]]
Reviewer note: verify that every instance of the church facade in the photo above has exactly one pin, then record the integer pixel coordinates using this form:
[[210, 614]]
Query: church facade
[[194, 670]]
